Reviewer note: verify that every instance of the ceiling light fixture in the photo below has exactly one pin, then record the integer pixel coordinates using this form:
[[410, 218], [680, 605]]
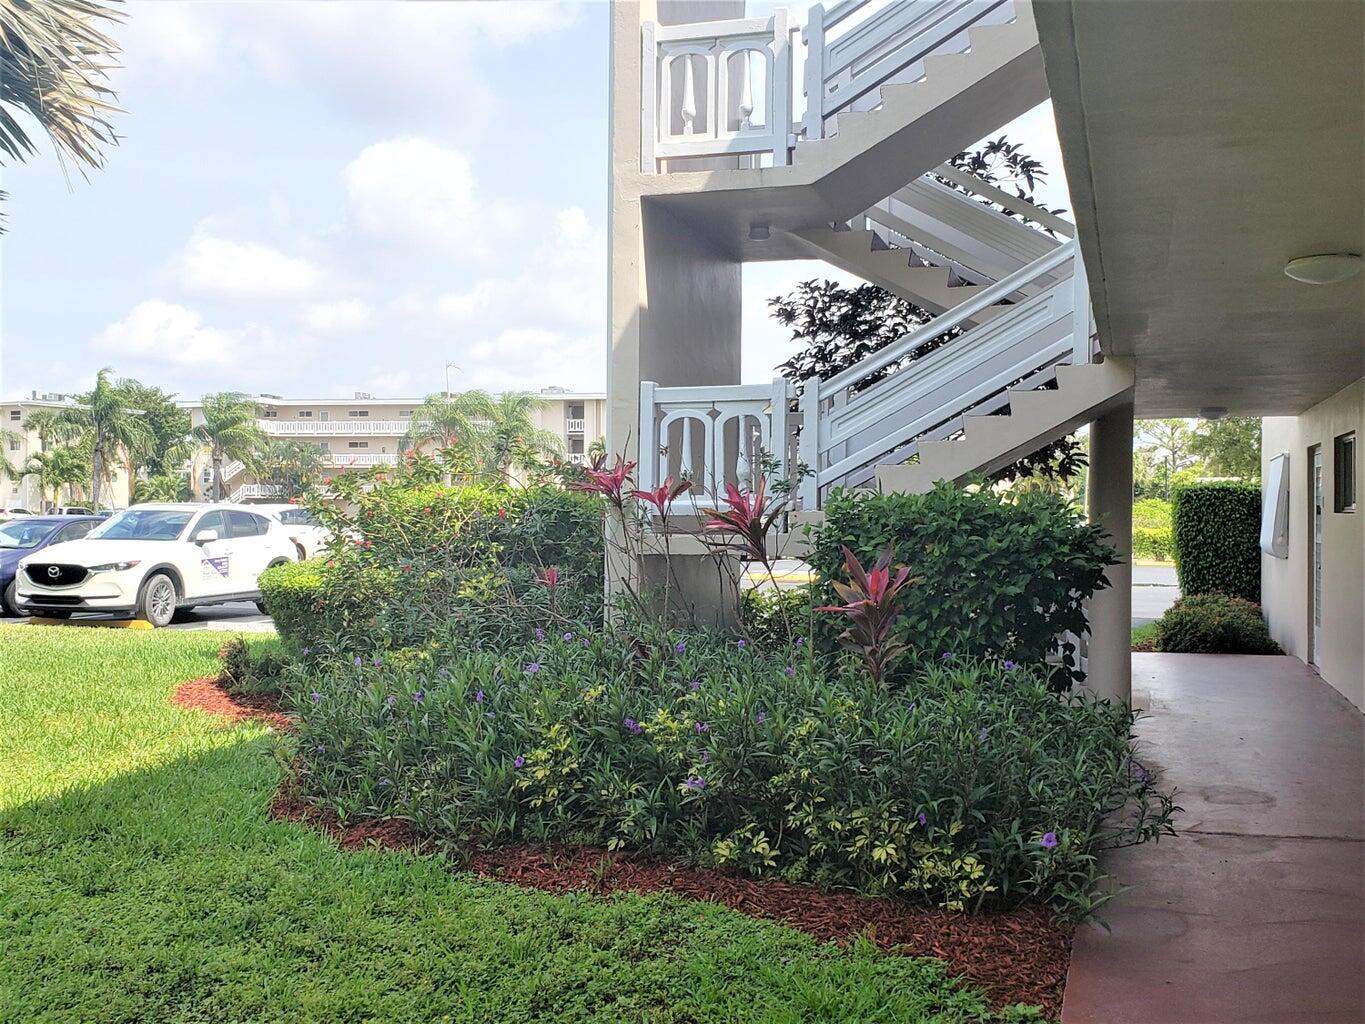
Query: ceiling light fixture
[[1213, 412], [758, 232], [1326, 268]]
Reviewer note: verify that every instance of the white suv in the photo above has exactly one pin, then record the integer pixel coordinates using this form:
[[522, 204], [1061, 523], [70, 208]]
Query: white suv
[[153, 560]]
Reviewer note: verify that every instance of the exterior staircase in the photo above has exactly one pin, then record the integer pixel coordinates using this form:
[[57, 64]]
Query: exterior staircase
[[1009, 362]]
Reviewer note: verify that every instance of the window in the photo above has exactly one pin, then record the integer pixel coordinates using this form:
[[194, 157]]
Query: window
[[14, 444], [270, 414], [16, 415], [305, 414], [323, 446], [405, 414], [1344, 473], [358, 414], [75, 531], [575, 446], [211, 521], [245, 524], [357, 444]]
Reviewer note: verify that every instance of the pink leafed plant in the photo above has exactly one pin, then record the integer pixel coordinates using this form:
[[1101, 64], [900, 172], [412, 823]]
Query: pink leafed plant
[[610, 484], [747, 518], [873, 598], [661, 496]]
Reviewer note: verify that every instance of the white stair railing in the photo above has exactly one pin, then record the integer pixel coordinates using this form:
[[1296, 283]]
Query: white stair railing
[[712, 436], [854, 420], [726, 88]]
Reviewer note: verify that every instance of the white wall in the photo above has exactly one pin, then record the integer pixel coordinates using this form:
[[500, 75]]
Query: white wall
[[1285, 582]]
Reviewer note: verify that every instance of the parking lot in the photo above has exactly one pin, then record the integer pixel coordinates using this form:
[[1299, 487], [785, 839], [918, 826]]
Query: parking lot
[[240, 616]]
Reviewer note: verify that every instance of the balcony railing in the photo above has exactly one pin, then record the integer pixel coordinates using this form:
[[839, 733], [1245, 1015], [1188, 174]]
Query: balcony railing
[[251, 491], [361, 426], [361, 460], [573, 426], [713, 436], [727, 88]]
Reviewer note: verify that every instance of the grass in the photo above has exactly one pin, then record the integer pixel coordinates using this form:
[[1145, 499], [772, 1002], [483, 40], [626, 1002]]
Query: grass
[[140, 880], [1144, 637]]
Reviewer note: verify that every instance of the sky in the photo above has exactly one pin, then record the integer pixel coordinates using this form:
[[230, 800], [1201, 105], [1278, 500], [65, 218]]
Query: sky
[[312, 199]]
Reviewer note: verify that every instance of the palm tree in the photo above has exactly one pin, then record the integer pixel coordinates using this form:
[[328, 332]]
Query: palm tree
[[8, 470], [229, 431], [53, 65], [162, 487], [293, 466], [110, 422], [499, 431], [57, 468]]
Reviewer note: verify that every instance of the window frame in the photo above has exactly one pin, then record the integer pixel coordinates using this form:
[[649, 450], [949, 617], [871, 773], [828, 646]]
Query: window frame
[[1345, 478]]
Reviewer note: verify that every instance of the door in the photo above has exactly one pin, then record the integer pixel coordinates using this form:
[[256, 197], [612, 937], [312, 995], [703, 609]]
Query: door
[[213, 574], [1315, 556], [251, 549]]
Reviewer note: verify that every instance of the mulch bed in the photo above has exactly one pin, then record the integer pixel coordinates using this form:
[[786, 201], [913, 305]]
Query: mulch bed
[[1020, 956], [208, 695]]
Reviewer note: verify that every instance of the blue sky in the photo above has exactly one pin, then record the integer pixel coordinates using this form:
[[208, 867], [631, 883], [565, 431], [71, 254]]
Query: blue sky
[[316, 198]]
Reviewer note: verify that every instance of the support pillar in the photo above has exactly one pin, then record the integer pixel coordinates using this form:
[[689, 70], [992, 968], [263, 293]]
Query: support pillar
[[1109, 500]]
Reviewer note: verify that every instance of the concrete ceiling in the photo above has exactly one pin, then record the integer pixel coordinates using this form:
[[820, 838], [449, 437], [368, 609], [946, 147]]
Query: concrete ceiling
[[1206, 143]]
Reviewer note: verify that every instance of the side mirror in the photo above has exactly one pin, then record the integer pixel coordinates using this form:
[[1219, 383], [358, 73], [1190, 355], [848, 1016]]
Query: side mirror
[[206, 536]]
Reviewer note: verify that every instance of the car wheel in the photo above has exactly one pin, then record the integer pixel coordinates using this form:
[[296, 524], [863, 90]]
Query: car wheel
[[157, 605], [303, 554], [8, 606]]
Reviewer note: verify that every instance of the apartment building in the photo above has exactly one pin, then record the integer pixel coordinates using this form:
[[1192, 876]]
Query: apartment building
[[364, 432], [20, 442]]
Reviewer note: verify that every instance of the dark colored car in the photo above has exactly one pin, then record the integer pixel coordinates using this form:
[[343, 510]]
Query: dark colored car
[[21, 537]]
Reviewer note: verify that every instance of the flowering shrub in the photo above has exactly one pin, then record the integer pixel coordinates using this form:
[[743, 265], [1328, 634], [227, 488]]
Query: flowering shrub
[[998, 579], [971, 787]]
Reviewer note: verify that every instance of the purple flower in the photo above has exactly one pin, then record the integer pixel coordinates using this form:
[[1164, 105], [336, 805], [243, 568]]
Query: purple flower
[[947, 656], [443, 672], [383, 780], [321, 749], [741, 643], [419, 696], [761, 717], [1049, 840], [540, 634], [706, 757], [478, 696], [800, 641], [981, 736], [1010, 666], [390, 700], [307, 651], [695, 684], [696, 783], [631, 726], [923, 819], [585, 643], [378, 662], [680, 647], [316, 696], [702, 727], [533, 668], [356, 661], [568, 637], [518, 762], [791, 671]]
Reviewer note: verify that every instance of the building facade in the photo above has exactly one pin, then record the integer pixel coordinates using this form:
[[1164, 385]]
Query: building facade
[[20, 441]]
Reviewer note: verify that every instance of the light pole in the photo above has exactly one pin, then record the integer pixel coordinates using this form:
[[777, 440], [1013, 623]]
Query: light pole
[[448, 368]]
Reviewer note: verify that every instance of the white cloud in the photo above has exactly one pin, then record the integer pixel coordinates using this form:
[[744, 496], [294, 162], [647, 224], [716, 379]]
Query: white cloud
[[164, 333], [338, 317], [242, 270]]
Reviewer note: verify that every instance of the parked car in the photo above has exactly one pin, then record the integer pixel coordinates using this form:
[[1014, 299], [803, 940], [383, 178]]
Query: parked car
[[26, 535], [156, 560], [13, 512], [72, 510], [308, 535]]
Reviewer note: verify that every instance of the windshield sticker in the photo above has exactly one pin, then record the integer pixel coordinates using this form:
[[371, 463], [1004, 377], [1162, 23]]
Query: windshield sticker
[[214, 568]]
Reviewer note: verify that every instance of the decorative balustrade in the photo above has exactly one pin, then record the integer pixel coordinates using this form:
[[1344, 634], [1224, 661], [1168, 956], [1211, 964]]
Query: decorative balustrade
[[727, 88], [353, 425], [712, 436], [573, 426], [360, 460], [256, 491]]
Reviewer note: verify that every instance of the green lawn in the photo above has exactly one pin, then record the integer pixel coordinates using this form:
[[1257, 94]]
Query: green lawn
[[140, 880]]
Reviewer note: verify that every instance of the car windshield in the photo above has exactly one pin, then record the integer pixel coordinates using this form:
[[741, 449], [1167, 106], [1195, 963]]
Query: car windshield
[[143, 524], [21, 534], [296, 517]]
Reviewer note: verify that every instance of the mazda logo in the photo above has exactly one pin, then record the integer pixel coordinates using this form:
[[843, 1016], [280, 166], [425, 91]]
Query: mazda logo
[[54, 571]]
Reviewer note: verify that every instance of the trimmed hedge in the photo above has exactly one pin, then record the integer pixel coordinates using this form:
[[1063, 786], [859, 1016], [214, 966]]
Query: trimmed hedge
[[1214, 624], [1154, 543], [1152, 512], [996, 579], [1217, 529]]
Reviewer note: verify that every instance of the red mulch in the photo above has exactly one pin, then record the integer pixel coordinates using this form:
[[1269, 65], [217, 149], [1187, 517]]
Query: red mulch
[[1020, 956], [208, 695]]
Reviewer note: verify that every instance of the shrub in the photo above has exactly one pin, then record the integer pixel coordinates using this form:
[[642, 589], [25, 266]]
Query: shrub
[[252, 668], [998, 579], [1153, 543], [1152, 513], [412, 563], [1217, 539], [971, 787], [1214, 624]]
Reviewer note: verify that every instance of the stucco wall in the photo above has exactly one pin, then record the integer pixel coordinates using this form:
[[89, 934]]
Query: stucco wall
[[1285, 582]]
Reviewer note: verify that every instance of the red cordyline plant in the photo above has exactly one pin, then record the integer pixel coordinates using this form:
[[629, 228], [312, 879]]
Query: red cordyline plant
[[873, 601], [663, 495], [550, 577], [610, 483], [747, 519]]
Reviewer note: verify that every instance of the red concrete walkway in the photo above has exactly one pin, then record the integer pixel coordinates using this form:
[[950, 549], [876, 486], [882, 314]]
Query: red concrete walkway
[[1256, 911]]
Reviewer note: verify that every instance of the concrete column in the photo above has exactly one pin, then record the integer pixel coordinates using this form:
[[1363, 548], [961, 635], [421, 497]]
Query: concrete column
[[1109, 499]]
